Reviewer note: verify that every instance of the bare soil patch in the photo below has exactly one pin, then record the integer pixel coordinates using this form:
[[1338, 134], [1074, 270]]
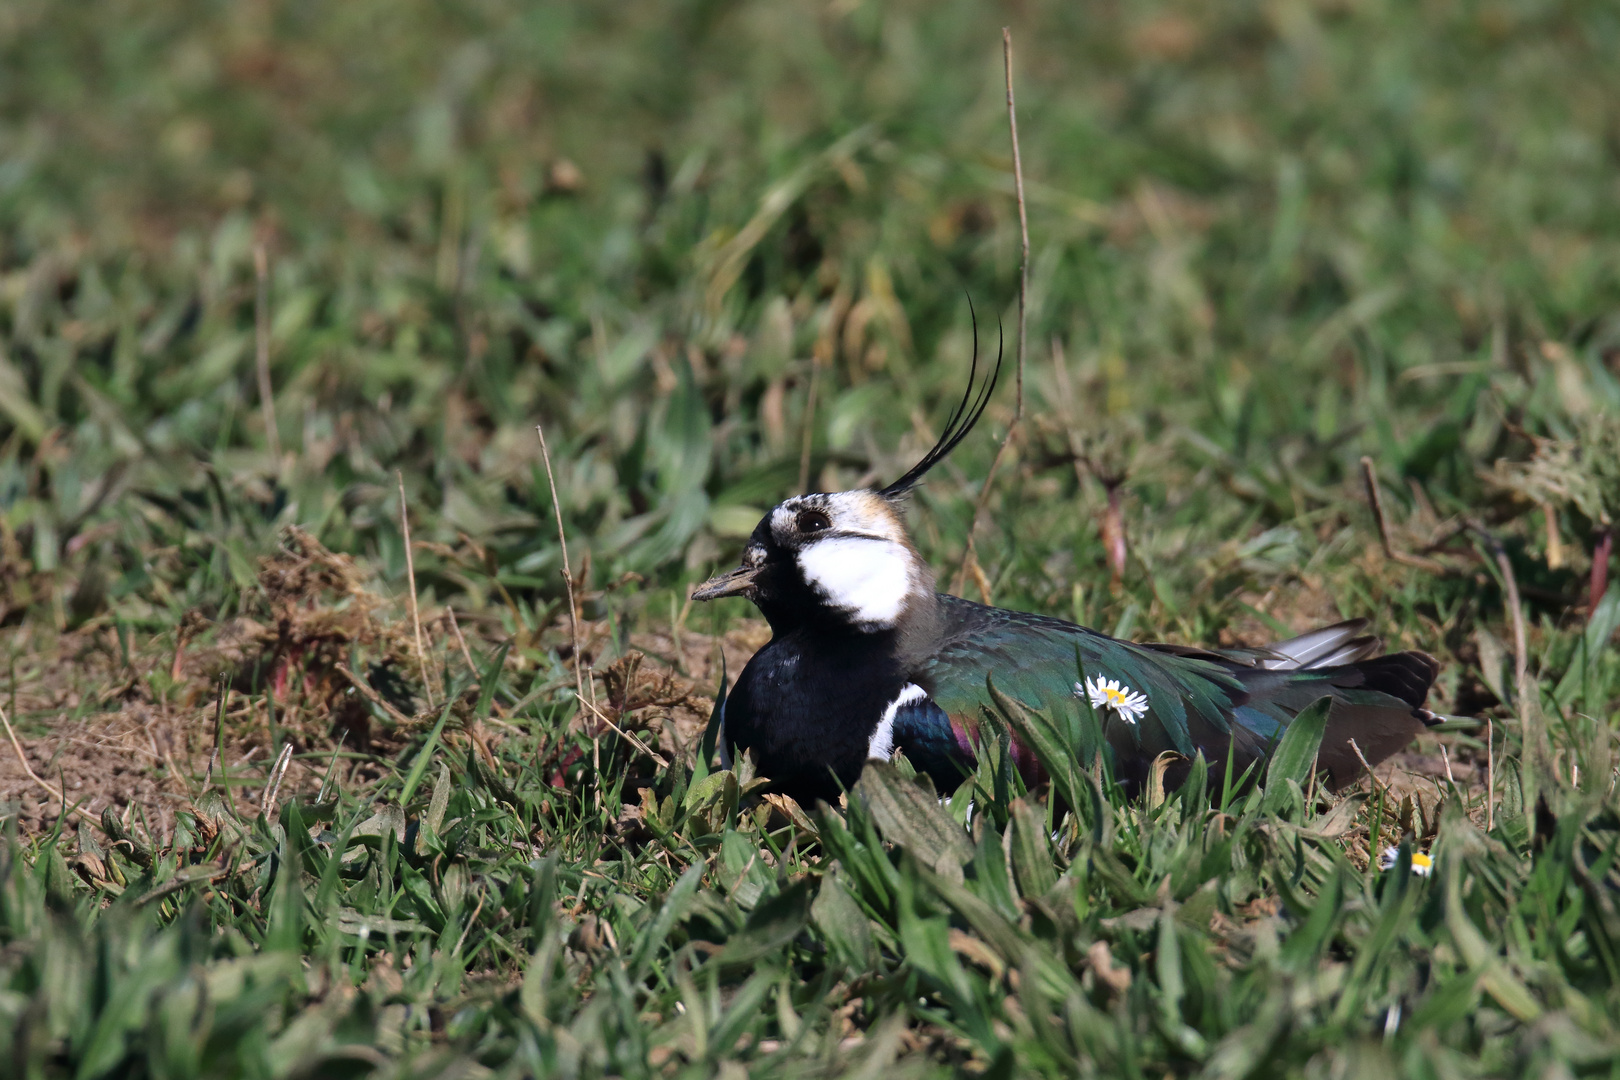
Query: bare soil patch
[[113, 723]]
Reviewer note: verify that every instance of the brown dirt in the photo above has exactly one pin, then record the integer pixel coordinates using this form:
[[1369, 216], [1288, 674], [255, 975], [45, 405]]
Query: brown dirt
[[137, 736]]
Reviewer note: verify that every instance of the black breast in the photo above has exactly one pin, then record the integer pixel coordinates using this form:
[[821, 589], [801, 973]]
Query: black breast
[[806, 706]]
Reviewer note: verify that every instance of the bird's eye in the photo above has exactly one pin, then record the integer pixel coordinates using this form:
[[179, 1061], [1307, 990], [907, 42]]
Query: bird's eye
[[813, 521]]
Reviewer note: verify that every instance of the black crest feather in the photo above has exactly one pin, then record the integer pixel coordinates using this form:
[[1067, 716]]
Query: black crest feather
[[967, 414]]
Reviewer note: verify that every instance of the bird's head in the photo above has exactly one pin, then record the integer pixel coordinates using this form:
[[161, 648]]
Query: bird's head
[[845, 558], [842, 557]]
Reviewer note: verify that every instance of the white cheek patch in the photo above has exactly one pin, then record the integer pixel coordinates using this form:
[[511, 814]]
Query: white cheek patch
[[869, 579], [881, 746]]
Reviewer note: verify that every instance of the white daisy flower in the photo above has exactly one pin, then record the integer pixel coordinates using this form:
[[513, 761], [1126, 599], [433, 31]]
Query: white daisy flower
[[1127, 704], [1421, 863]]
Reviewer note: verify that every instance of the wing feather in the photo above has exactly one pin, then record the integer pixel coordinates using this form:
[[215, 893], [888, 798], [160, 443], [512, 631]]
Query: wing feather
[[1198, 701]]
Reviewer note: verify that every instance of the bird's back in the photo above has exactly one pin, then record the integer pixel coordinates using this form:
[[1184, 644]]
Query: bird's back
[[1180, 699]]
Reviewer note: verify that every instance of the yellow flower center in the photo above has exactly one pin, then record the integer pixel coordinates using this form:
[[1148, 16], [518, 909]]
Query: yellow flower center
[[1115, 697]]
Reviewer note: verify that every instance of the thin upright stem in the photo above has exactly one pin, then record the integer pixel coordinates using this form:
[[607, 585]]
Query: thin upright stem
[[970, 556], [261, 331], [410, 575]]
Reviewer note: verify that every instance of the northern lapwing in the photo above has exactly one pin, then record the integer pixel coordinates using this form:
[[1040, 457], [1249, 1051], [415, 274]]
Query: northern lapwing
[[867, 657]]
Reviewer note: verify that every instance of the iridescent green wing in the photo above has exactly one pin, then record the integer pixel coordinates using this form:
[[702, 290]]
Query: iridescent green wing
[[1043, 662], [1195, 701]]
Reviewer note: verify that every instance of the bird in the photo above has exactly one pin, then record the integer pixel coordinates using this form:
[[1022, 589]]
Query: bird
[[867, 657]]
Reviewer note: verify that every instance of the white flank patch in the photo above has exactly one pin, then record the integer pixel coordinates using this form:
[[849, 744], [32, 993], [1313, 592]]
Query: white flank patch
[[867, 578], [881, 745]]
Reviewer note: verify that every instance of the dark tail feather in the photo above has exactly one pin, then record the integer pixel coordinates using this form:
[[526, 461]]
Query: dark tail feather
[[1378, 729], [1403, 675], [1377, 707]]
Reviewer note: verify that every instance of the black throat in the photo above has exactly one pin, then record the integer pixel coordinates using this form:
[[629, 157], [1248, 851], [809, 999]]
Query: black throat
[[807, 703]]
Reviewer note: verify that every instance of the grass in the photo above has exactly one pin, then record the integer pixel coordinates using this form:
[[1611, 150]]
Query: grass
[[710, 247]]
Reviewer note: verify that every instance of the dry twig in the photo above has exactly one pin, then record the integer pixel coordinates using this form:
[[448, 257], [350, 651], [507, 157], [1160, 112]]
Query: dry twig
[[582, 681], [1382, 787], [809, 424], [1598, 583], [472, 922], [627, 736], [261, 330], [1383, 794], [1375, 496], [1113, 526], [410, 574], [1532, 731], [272, 786], [22, 760], [1521, 648], [971, 555], [369, 694], [567, 570], [191, 876], [219, 722], [1490, 777], [466, 653]]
